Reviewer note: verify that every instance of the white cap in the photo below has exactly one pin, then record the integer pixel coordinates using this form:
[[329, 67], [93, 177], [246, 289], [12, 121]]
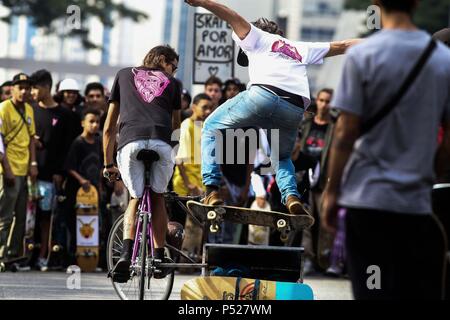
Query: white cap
[[69, 84]]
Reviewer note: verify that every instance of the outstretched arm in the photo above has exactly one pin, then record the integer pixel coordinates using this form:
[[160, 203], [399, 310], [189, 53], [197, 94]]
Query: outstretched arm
[[240, 26], [340, 47]]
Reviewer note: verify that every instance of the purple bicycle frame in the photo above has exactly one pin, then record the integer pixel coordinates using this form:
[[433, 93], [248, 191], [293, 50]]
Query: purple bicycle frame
[[145, 207]]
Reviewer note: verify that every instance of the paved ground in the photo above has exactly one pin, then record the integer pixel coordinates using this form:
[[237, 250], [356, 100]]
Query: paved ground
[[95, 286]]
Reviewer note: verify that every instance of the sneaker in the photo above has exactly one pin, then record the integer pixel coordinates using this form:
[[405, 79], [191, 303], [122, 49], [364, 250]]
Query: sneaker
[[121, 271], [42, 264], [213, 199], [163, 272], [308, 267], [295, 206], [334, 271]]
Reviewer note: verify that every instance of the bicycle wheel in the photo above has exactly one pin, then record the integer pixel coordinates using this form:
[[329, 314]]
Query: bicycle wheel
[[159, 289]]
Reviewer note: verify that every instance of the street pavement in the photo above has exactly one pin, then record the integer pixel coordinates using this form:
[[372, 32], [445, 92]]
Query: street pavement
[[95, 286]]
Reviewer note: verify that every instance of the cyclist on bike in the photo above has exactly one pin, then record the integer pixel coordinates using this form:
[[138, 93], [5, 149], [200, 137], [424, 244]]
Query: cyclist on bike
[[147, 99]]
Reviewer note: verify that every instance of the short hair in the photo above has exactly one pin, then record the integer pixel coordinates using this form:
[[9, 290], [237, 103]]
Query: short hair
[[407, 6], [268, 26], [199, 97], [94, 86], [326, 90], [152, 60], [42, 78], [213, 80], [91, 111]]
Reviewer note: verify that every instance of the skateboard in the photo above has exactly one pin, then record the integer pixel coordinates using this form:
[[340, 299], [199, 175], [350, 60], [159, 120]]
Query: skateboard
[[231, 288], [283, 222], [87, 229], [55, 248], [324, 247]]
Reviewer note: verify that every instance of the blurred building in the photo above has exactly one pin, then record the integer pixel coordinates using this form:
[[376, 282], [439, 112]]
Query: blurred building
[[25, 48]]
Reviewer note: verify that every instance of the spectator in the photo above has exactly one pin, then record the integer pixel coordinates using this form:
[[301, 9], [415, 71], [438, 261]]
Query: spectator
[[187, 179], [213, 88], [52, 144], [316, 134], [388, 178], [5, 91], [68, 95], [18, 130], [84, 166], [231, 88], [95, 98]]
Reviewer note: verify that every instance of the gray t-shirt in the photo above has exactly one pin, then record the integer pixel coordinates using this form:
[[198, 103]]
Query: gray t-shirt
[[392, 167]]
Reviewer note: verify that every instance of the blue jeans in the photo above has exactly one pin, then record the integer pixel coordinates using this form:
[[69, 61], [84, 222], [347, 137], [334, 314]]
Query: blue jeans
[[259, 108]]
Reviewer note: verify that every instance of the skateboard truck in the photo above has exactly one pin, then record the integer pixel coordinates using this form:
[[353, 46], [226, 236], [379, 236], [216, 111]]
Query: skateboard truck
[[284, 228], [215, 218]]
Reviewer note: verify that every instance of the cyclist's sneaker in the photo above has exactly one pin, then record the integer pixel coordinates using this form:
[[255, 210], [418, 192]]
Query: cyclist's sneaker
[[213, 199], [161, 273], [121, 271], [295, 206], [42, 264]]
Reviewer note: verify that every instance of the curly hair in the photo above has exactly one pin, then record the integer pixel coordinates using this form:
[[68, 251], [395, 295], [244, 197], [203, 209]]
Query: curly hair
[[268, 26], [152, 59]]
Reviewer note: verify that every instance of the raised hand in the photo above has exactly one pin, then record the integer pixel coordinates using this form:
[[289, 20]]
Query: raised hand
[[195, 3]]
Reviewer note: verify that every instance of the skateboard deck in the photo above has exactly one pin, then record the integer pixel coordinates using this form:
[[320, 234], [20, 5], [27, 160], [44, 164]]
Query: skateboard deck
[[231, 288], [30, 222], [280, 221], [87, 228], [324, 247]]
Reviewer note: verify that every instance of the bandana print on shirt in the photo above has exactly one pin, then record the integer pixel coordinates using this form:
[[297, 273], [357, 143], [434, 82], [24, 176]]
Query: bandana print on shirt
[[150, 84], [287, 50]]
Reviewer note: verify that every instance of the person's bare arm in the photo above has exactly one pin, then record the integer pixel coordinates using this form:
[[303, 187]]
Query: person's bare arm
[[240, 26], [340, 47], [109, 139], [442, 163], [346, 132]]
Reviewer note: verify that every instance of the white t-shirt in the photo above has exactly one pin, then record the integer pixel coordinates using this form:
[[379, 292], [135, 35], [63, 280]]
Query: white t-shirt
[[279, 62]]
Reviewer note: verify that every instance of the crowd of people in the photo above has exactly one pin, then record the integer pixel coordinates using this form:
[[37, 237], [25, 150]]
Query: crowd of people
[[55, 142]]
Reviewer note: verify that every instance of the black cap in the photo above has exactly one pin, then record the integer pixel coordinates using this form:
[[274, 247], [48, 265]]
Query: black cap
[[443, 35], [20, 78]]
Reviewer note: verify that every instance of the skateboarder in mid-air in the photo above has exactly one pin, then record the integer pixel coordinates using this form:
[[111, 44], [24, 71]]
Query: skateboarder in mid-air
[[277, 96]]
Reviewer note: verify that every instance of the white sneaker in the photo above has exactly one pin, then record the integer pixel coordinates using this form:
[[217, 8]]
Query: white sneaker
[[42, 264], [334, 271], [308, 267]]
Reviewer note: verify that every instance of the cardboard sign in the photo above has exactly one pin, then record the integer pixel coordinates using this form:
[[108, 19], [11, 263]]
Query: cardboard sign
[[213, 49]]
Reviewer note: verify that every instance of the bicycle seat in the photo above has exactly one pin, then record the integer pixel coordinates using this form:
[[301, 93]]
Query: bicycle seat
[[148, 156]]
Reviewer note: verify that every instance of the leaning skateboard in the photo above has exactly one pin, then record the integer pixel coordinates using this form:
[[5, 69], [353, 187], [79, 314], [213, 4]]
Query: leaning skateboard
[[284, 223], [192, 244], [231, 288], [87, 229]]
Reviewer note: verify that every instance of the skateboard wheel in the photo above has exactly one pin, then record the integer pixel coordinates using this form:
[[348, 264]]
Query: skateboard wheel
[[30, 247], [281, 223], [284, 237], [213, 228], [56, 248], [2, 267], [212, 215]]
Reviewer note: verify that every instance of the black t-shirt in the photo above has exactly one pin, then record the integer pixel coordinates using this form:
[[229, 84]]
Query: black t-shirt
[[236, 172], [315, 142], [147, 99], [86, 159], [53, 127]]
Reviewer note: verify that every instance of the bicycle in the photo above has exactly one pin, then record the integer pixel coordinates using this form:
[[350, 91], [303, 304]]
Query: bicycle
[[142, 284]]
